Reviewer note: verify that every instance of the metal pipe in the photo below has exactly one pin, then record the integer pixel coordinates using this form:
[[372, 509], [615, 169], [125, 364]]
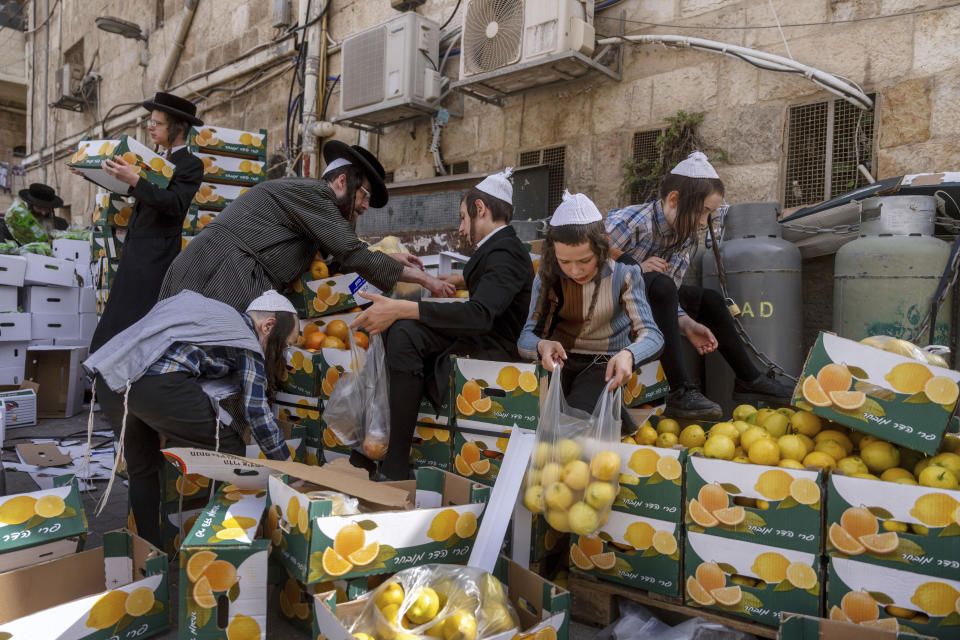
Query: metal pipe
[[46, 80], [322, 80], [190, 8], [311, 79]]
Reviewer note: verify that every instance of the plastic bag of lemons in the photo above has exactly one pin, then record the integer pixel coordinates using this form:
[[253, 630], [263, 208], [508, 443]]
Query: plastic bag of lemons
[[574, 471], [436, 601], [933, 354]]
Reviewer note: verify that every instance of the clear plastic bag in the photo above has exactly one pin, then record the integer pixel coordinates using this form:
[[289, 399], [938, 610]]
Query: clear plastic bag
[[343, 505], [23, 225], [933, 354], [358, 411], [9, 248], [437, 601], [573, 476], [37, 248]]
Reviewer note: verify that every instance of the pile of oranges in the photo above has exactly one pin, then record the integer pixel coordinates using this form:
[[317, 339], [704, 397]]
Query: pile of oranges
[[336, 335]]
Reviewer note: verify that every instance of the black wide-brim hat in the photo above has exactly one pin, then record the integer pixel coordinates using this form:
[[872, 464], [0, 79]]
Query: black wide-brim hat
[[174, 105], [41, 196], [367, 162]]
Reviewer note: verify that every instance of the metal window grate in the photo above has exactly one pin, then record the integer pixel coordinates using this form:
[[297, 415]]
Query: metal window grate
[[644, 150], [528, 158], [456, 168], [825, 143], [388, 177], [554, 158]]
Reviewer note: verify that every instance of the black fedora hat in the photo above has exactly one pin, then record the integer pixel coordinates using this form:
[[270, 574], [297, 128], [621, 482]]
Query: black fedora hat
[[175, 106], [367, 162], [41, 196]]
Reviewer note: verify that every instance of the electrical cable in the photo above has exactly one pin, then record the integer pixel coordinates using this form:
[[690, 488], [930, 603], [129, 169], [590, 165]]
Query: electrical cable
[[326, 98], [450, 19]]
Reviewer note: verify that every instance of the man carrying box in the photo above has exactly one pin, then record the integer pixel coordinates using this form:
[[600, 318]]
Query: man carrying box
[[423, 334], [268, 236]]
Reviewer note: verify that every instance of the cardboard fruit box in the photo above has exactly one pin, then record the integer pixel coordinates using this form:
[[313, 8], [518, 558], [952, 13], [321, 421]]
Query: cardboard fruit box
[[41, 525], [633, 550], [542, 607], [333, 448], [900, 526], [90, 154], [223, 579], [314, 298], [296, 599], [216, 197], [295, 435], [651, 481], [871, 595], [768, 505], [229, 142], [478, 451], [297, 409], [432, 519], [646, 384], [430, 446], [531, 540], [119, 590], [112, 210], [897, 399], [230, 170], [196, 219], [794, 626], [749, 580], [498, 393]]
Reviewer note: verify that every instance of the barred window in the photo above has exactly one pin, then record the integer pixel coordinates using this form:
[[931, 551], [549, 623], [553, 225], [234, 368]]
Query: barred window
[[554, 158], [644, 153]]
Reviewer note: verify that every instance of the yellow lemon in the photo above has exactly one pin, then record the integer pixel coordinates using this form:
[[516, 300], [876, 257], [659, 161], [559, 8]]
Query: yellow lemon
[[605, 465], [243, 628], [107, 611], [508, 378], [18, 509], [692, 436], [935, 598], [50, 506], [764, 451], [139, 601], [909, 377], [771, 567]]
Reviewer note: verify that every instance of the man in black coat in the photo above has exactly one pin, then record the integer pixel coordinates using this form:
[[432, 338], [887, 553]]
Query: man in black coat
[[420, 336]]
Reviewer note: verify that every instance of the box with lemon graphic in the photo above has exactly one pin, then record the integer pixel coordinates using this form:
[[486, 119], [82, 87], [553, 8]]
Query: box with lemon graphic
[[90, 154], [334, 294], [119, 590], [223, 569], [646, 384], [302, 374], [298, 409], [891, 599], [229, 142], [431, 444], [296, 598], [216, 197], [796, 627], [769, 505], [902, 526], [317, 546], [43, 524], [633, 550], [868, 389], [651, 481], [230, 170], [499, 393], [749, 580], [478, 451]]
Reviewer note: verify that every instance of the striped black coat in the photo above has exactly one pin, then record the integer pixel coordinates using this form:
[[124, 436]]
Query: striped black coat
[[284, 222]]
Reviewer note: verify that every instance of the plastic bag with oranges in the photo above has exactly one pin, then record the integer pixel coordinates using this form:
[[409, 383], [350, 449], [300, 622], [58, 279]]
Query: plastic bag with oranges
[[437, 601], [574, 471]]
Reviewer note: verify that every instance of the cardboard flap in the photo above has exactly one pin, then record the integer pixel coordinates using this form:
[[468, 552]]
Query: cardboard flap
[[45, 454]]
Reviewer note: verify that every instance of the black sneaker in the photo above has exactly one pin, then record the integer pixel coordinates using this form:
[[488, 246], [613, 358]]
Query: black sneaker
[[688, 402], [763, 389]]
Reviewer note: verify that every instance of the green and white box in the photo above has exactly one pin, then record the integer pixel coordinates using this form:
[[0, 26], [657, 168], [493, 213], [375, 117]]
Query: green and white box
[[478, 450], [230, 170], [216, 197], [229, 142], [499, 393], [646, 384], [90, 154], [41, 525], [651, 481], [336, 294]]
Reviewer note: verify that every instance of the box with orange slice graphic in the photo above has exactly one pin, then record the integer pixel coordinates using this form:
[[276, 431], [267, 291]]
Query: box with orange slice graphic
[[909, 527], [632, 550], [796, 627], [646, 384], [335, 294], [221, 141], [112, 209], [768, 505], [90, 154], [303, 372], [500, 393], [216, 197], [196, 219], [749, 580], [431, 444], [871, 390], [892, 599], [439, 525], [651, 481], [41, 525], [231, 170], [119, 590], [296, 598], [331, 446], [298, 409], [478, 450], [223, 569]]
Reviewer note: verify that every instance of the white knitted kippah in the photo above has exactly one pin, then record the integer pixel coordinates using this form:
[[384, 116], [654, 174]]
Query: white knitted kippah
[[576, 208], [271, 301], [336, 164], [695, 165], [498, 185]]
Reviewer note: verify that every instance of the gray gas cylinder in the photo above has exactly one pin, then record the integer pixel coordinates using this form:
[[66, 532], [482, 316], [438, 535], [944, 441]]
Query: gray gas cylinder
[[885, 280], [764, 279]]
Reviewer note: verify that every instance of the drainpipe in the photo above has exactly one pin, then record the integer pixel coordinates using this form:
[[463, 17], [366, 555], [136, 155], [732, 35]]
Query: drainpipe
[[321, 83], [314, 46], [46, 80], [189, 9]]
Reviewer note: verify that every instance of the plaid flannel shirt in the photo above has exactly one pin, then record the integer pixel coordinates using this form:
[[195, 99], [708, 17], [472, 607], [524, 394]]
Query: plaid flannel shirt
[[217, 362]]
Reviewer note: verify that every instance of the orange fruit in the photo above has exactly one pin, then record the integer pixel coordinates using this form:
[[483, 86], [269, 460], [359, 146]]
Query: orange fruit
[[339, 329], [349, 539], [579, 558], [848, 400], [471, 391], [366, 555], [843, 541], [713, 497], [814, 394], [698, 594], [859, 522], [881, 542], [731, 516], [374, 448], [333, 564], [361, 339], [221, 574], [309, 328], [332, 342], [203, 594], [700, 515], [591, 546], [728, 596], [197, 563], [834, 377], [711, 576], [470, 452], [859, 606], [314, 340]]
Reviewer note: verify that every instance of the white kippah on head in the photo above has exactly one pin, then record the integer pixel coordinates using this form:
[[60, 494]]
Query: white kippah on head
[[695, 165], [498, 185], [271, 301], [576, 208], [336, 164]]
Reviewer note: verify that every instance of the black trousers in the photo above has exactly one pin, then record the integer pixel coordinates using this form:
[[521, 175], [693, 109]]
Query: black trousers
[[583, 381], [172, 405], [706, 307]]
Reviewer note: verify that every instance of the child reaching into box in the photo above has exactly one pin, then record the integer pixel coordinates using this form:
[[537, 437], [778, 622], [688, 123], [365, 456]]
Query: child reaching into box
[[587, 311]]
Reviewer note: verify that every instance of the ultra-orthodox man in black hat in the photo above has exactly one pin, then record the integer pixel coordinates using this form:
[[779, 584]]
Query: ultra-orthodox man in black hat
[[42, 200], [267, 238], [154, 230]]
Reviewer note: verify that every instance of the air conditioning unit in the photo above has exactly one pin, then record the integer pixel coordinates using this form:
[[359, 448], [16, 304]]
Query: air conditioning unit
[[68, 81], [390, 71], [501, 34]]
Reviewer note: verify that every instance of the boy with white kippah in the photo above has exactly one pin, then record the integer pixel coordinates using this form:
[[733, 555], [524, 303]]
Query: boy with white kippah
[[421, 335], [167, 374], [660, 236]]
